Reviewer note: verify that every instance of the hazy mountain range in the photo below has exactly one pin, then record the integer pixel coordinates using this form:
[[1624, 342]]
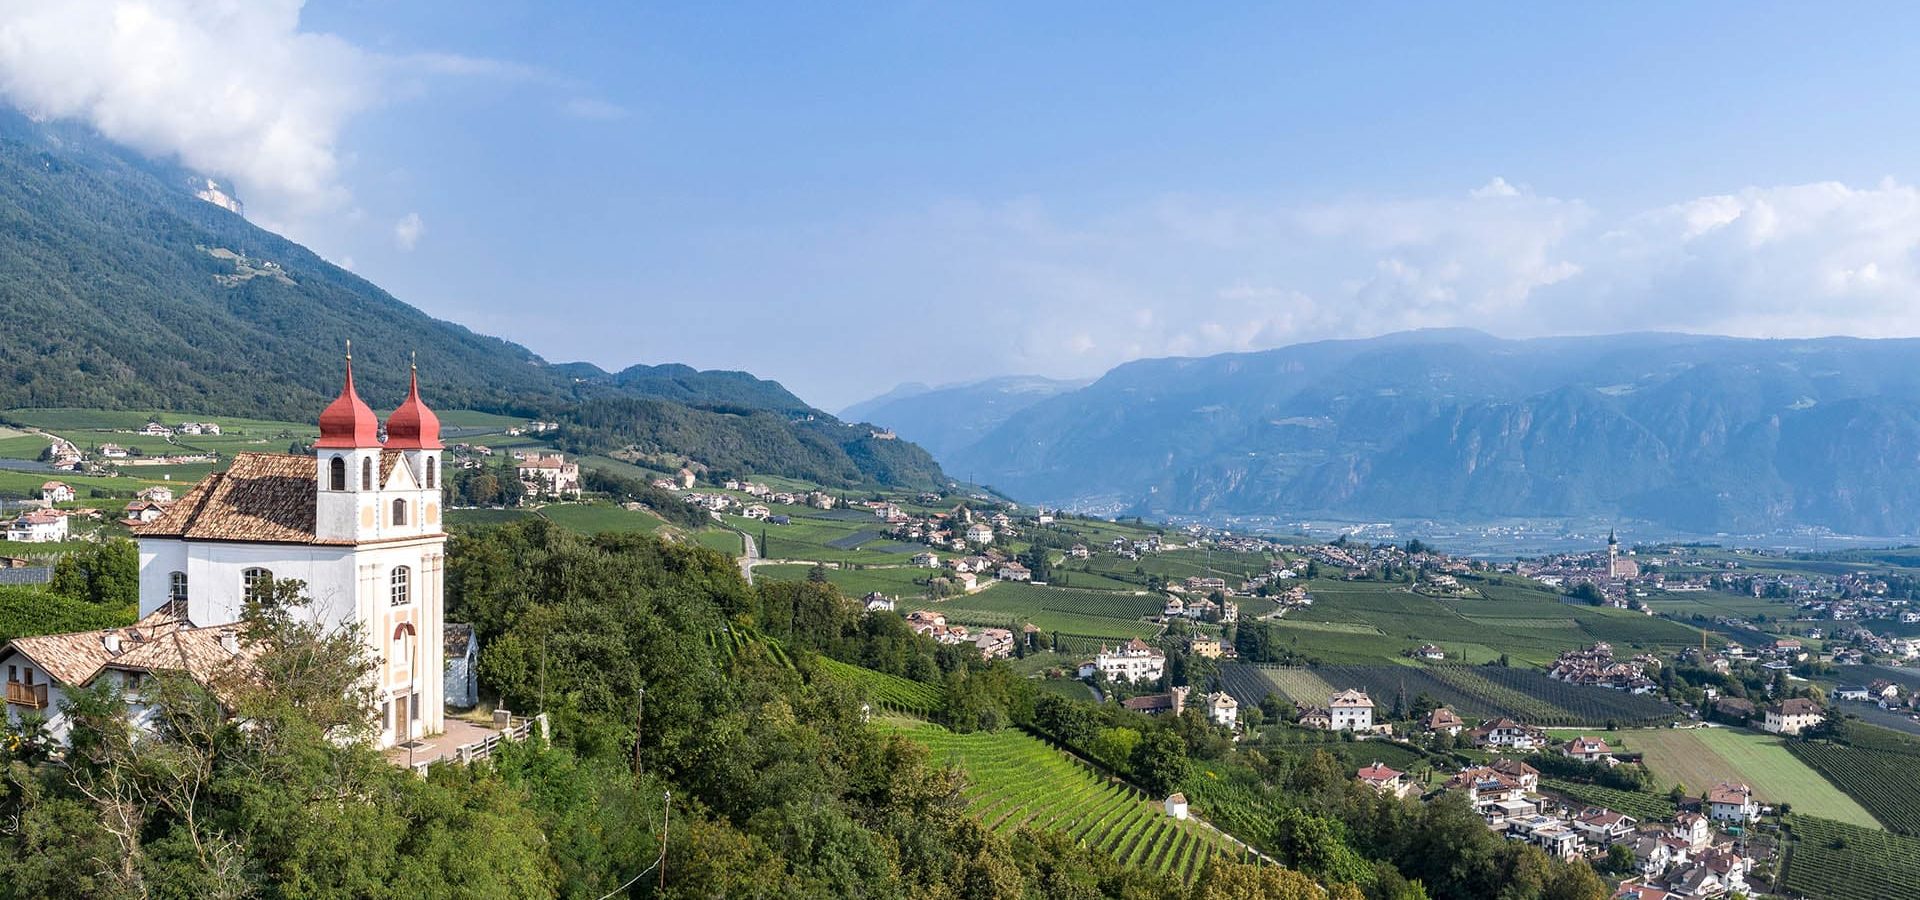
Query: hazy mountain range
[[949, 418], [126, 285], [1695, 433]]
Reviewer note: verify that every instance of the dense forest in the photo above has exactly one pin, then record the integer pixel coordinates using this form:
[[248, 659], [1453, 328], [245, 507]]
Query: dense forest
[[763, 772], [746, 441]]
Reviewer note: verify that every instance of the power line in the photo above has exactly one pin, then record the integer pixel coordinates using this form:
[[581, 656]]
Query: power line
[[656, 863]]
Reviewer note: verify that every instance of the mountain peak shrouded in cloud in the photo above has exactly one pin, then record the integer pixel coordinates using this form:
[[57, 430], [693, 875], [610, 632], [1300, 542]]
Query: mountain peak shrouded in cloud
[[233, 89]]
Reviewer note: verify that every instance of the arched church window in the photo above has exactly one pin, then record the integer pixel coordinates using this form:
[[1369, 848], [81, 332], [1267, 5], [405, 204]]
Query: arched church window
[[366, 474], [402, 585], [399, 512], [337, 474], [430, 468]]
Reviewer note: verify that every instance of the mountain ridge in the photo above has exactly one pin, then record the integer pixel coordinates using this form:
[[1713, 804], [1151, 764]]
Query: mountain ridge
[[125, 290], [946, 417], [1696, 432]]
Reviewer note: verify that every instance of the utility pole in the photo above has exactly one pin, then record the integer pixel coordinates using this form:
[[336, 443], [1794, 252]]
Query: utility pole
[[638, 723], [664, 816]]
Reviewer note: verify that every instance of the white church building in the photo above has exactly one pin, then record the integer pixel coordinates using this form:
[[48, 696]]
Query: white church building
[[358, 522]]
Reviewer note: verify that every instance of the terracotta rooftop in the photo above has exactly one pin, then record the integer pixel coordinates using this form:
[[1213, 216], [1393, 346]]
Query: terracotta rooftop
[[157, 643], [260, 498], [1350, 698], [1379, 772], [1726, 792]]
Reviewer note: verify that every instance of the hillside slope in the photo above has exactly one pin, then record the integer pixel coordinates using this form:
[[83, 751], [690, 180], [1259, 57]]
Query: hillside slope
[[948, 418], [1698, 433], [122, 290]]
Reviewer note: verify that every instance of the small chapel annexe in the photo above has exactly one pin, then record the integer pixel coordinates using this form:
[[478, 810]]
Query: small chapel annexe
[[358, 522]]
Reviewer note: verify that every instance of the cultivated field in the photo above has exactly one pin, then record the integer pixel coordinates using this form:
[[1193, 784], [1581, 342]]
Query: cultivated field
[[1699, 757], [595, 517], [1091, 615], [1878, 767], [1837, 861], [882, 690], [1643, 806], [1016, 781], [1475, 692], [1527, 623]]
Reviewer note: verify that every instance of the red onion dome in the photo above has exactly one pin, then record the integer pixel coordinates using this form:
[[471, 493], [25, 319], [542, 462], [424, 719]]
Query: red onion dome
[[348, 421], [413, 426]]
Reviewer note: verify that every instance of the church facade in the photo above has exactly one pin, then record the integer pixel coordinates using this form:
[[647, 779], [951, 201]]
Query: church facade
[[359, 523]]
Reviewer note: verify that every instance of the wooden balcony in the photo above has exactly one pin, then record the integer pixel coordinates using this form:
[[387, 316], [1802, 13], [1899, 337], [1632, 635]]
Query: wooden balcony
[[30, 696]]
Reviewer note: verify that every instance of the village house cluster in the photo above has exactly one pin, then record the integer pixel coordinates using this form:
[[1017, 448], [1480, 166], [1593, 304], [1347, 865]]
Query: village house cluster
[[1688, 856], [993, 643], [1595, 666]]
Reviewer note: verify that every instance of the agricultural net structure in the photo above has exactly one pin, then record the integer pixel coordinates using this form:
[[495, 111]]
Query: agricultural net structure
[[1472, 691], [1015, 781]]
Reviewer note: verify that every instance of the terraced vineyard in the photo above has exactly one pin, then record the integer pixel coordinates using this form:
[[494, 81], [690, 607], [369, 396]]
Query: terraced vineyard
[[1835, 861], [1639, 804], [1877, 770], [1015, 781], [882, 690], [731, 641]]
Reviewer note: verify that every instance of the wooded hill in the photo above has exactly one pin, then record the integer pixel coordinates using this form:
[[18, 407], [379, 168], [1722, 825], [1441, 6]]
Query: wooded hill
[[123, 290]]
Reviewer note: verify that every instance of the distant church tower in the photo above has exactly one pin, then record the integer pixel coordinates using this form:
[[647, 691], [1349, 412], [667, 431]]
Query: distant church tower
[[1613, 555]]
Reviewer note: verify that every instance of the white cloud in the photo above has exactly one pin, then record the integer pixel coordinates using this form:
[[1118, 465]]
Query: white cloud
[[1186, 275], [589, 108], [407, 231], [233, 89]]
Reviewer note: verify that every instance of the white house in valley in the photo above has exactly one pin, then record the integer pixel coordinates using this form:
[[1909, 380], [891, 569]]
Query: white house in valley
[[40, 526], [1351, 710], [358, 522], [1131, 661], [1732, 802], [1793, 715]]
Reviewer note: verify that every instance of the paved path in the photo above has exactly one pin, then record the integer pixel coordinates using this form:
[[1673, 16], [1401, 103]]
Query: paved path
[[748, 556]]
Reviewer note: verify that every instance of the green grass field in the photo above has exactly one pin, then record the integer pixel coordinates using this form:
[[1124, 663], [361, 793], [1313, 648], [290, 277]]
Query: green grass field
[[852, 581], [1015, 781], [1095, 615], [17, 445], [718, 539], [598, 516], [1699, 757], [1301, 686]]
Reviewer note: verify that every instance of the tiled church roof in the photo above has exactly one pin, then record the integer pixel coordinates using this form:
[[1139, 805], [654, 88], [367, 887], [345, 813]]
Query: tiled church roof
[[262, 498]]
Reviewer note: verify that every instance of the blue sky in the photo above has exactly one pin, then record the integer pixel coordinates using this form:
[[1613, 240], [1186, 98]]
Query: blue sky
[[846, 198]]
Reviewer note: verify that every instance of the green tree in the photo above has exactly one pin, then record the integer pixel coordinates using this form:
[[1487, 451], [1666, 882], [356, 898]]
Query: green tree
[[1160, 762]]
